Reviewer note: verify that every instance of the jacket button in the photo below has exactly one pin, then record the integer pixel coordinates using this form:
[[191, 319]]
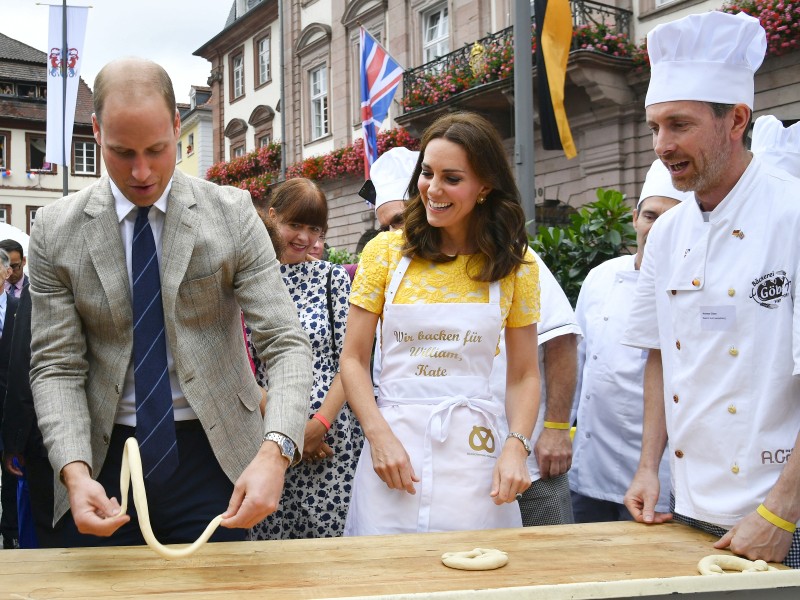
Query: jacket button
[[735, 469], [733, 351], [732, 409], [696, 282], [678, 344], [673, 292], [731, 292], [106, 439], [675, 398], [116, 388], [679, 453]]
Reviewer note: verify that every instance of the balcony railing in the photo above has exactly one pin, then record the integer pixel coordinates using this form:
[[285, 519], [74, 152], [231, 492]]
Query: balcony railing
[[596, 26]]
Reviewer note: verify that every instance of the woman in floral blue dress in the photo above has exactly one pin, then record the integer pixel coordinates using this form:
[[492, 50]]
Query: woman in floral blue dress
[[317, 491]]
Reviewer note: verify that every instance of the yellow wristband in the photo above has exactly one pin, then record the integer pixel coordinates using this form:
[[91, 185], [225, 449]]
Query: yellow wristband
[[775, 519], [555, 425]]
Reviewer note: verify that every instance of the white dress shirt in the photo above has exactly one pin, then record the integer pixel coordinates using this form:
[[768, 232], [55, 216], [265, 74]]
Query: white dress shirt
[[126, 212]]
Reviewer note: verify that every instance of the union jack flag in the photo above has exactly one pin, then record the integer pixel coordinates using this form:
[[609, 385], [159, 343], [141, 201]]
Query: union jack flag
[[380, 76]]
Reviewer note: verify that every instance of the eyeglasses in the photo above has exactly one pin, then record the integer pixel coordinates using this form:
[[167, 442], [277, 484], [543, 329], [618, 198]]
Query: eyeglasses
[[395, 223], [15, 266]]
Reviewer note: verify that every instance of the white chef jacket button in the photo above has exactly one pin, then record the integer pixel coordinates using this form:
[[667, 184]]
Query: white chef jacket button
[[605, 318], [588, 396], [619, 280], [731, 292], [678, 344], [673, 292], [594, 356], [696, 282], [733, 351], [732, 409], [735, 469], [675, 398], [679, 453]]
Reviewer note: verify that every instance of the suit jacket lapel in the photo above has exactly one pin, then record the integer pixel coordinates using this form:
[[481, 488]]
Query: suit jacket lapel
[[104, 244], [177, 241]]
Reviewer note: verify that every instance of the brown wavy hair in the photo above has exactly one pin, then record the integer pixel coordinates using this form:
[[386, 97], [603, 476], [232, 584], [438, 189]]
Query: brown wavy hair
[[497, 225]]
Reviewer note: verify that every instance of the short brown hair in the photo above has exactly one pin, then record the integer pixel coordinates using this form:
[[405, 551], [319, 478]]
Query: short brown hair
[[300, 200], [137, 75], [497, 225]]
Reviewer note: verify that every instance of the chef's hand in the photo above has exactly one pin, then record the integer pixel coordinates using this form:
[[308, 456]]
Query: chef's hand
[[641, 498], [257, 492], [391, 462], [510, 476], [93, 511], [553, 452], [756, 538]]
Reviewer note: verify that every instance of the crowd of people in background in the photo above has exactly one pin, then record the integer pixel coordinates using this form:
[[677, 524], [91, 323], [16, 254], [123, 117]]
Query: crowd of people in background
[[436, 385]]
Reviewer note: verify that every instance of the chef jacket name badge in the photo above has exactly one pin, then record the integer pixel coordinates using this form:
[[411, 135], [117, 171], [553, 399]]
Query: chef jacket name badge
[[771, 288]]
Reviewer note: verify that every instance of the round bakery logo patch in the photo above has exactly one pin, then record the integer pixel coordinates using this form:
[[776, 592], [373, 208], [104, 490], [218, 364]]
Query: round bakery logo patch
[[771, 288]]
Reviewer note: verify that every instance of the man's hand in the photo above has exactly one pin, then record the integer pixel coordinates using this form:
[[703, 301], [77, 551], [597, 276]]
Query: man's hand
[[553, 452], [258, 490], [756, 538], [8, 462], [93, 512], [641, 498]]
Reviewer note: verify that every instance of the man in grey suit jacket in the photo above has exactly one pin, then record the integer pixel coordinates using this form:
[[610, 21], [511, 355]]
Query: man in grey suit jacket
[[214, 257]]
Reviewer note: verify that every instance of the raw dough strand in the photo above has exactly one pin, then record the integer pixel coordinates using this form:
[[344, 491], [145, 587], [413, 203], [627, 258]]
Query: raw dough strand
[[717, 564], [132, 471]]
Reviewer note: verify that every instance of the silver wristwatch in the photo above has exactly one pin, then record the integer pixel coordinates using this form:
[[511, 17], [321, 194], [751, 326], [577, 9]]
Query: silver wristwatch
[[522, 439], [287, 446]]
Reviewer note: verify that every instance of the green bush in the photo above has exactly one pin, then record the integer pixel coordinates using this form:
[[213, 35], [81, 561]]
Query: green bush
[[340, 256], [597, 232]]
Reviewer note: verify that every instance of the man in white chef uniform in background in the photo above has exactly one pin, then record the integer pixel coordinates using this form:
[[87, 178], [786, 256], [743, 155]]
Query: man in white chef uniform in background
[[716, 301], [547, 501], [777, 145], [608, 399]]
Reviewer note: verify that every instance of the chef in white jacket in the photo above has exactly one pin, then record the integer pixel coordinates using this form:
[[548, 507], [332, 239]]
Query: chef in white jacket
[[716, 301], [609, 396], [777, 145]]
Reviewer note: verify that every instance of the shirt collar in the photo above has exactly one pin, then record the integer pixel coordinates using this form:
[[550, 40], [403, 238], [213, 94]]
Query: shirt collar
[[123, 206]]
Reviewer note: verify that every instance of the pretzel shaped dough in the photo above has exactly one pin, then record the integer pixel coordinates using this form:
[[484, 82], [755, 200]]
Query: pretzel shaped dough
[[717, 564], [132, 472], [479, 559]]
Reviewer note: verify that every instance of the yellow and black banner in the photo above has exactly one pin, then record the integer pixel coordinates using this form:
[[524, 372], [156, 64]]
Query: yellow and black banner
[[553, 41]]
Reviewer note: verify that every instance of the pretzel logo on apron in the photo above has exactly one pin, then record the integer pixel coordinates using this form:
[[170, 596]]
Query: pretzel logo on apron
[[481, 438]]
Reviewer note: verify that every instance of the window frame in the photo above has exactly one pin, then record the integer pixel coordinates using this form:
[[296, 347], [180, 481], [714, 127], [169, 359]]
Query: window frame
[[7, 209], [427, 45], [190, 144], [257, 56], [74, 160], [235, 55], [29, 137], [5, 162], [320, 98], [30, 216]]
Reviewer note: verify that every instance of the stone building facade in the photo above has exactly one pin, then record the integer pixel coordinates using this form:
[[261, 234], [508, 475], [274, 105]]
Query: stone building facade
[[321, 106]]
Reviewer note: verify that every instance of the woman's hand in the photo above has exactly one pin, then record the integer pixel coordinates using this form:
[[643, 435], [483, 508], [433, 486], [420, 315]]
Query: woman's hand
[[314, 446], [511, 475], [392, 463]]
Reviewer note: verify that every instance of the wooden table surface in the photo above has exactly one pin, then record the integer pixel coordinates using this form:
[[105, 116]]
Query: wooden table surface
[[350, 567]]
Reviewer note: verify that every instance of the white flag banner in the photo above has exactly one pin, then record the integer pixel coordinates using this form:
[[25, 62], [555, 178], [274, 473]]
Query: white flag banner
[[60, 68]]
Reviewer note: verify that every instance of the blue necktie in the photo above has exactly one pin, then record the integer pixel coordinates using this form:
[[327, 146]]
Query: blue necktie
[[155, 420]]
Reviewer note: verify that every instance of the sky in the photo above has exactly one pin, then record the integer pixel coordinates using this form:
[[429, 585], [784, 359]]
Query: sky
[[165, 31]]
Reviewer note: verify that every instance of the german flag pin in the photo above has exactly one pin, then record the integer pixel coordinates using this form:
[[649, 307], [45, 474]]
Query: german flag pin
[[738, 233]]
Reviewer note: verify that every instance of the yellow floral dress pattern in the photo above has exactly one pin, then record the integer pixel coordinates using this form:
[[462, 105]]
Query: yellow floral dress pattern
[[432, 283]]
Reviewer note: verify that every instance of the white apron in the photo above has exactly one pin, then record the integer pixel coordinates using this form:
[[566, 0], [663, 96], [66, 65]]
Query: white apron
[[434, 394]]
